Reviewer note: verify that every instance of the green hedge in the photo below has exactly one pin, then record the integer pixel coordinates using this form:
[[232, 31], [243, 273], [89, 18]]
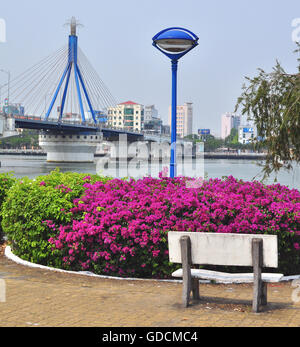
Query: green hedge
[[6, 181], [30, 202]]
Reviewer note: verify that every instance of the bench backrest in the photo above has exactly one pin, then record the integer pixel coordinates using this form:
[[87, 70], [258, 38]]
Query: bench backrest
[[223, 249]]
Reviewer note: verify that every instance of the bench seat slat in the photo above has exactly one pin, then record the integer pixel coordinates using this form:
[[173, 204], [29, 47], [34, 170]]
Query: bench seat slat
[[229, 277], [223, 249]]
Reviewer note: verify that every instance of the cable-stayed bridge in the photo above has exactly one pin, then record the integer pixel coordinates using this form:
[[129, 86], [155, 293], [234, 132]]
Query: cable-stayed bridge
[[64, 97], [62, 86]]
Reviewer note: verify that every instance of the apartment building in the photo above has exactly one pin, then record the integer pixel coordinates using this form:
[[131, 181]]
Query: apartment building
[[126, 115], [184, 116], [228, 122]]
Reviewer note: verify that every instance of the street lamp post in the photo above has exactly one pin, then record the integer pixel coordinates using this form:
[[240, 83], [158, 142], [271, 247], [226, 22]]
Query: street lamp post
[[174, 42]]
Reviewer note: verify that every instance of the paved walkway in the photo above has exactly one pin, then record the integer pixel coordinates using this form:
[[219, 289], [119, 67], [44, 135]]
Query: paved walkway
[[36, 297]]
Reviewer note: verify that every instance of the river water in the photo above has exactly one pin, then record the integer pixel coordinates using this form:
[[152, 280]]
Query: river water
[[32, 166]]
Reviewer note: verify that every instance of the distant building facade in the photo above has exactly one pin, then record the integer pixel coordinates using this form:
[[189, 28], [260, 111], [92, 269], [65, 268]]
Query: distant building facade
[[246, 134], [228, 122], [152, 122], [126, 115], [165, 129], [184, 116], [150, 113]]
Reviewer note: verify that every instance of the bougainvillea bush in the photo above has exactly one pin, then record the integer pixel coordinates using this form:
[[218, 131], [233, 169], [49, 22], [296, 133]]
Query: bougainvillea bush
[[120, 227], [31, 201]]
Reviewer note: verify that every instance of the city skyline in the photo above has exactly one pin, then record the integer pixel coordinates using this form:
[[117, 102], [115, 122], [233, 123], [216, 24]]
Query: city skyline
[[236, 38]]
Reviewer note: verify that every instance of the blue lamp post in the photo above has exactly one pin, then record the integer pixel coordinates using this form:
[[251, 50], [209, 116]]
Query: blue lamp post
[[174, 43]]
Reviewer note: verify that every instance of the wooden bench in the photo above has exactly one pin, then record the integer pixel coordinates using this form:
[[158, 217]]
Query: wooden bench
[[258, 251]]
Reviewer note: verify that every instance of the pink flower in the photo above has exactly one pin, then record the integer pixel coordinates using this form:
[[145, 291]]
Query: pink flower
[[155, 253]]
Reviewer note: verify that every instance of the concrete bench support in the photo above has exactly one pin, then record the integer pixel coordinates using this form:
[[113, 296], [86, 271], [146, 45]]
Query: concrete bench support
[[239, 250], [259, 287]]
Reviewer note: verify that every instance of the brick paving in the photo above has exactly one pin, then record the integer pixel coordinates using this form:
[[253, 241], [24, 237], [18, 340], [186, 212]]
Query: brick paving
[[35, 297]]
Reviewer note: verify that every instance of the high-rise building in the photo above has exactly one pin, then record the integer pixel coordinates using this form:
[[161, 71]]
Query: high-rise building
[[127, 115], [184, 117], [228, 122]]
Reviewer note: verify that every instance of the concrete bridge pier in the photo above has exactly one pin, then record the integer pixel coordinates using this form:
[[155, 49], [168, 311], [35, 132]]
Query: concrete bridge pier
[[70, 148], [7, 126]]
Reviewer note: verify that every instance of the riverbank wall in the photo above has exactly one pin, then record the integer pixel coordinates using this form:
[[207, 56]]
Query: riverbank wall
[[207, 155]]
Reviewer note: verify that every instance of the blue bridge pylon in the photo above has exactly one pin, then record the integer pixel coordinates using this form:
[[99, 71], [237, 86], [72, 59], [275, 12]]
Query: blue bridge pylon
[[63, 87], [72, 64]]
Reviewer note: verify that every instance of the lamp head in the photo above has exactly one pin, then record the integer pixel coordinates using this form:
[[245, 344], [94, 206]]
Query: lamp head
[[175, 42]]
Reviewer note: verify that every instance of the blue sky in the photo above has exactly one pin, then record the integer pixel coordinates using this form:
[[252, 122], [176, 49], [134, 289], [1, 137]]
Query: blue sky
[[235, 38]]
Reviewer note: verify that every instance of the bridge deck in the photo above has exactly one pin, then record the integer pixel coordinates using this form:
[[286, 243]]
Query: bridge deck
[[37, 123], [48, 125]]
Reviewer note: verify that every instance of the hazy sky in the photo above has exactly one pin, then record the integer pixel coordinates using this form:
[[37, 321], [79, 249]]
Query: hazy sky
[[235, 38]]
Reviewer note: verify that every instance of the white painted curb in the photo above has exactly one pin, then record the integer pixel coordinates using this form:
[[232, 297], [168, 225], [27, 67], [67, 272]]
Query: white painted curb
[[8, 253]]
